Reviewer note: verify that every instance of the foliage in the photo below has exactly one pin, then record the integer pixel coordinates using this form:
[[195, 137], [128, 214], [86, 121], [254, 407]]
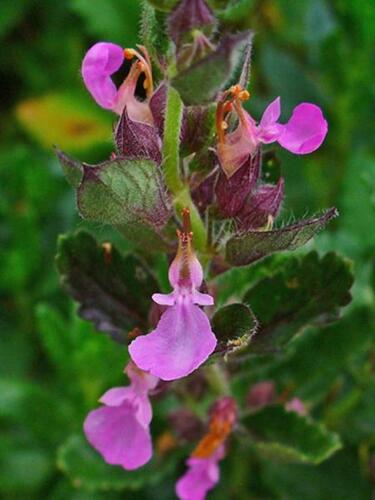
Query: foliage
[[286, 318]]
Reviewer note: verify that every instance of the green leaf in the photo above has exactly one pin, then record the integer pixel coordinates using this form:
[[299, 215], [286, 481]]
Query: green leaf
[[233, 284], [76, 353], [11, 12], [340, 477], [24, 467], [201, 82], [256, 244], [34, 408], [234, 325], [306, 290], [127, 193], [87, 469], [236, 11], [124, 191], [288, 437], [73, 169], [153, 34], [114, 292], [74, 123], [323, 354]]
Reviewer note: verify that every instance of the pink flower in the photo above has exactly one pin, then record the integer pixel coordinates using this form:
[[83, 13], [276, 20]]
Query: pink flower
[[202, 476], [183, 338], [99, 64], [296, 405], [302, 134], [119, 430], [203, 470]]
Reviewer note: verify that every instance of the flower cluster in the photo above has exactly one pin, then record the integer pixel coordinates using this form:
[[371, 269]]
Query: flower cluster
[[229, 186]]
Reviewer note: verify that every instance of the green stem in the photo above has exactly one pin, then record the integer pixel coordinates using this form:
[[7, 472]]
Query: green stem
[[217, 379], [171, 168]]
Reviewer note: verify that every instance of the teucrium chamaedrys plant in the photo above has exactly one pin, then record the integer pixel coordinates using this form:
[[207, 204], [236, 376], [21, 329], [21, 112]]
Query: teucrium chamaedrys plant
[[188, 156]]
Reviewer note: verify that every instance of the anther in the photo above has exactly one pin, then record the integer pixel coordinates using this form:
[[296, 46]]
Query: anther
[[244, 95], [129, 54]]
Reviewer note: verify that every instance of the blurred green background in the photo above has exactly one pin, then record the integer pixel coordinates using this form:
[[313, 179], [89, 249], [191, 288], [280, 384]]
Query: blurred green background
[[52, 366]]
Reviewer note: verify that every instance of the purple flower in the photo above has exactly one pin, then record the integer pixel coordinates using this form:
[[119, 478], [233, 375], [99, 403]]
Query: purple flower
[[183, 338], [202, 475], [99, 64], [302, 134], [119, 430]]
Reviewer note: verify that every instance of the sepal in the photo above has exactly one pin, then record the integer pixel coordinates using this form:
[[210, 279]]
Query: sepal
[[137, 139], [187, 16]]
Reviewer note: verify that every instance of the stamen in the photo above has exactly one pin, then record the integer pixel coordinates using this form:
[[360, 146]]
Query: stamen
[[144, 64], [185, 252], [244, 95], [129, 54]]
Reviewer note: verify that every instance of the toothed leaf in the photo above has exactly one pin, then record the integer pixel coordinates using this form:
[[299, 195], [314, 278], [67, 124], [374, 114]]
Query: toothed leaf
[[113, 290], [253, 245]]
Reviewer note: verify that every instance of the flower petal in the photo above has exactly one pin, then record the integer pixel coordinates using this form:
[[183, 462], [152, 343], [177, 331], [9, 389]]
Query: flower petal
[[118, 436], [99, 63], [305, 131], [202, 299], [181, 342], [271, 114], [268, 129], [164, 299], [117, 395], [238, 145], [201, 477]]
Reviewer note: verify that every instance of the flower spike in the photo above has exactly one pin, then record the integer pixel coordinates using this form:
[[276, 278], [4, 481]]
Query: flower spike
[[183, 338]]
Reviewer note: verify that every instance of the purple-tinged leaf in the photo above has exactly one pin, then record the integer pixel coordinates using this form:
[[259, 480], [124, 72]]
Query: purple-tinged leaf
[[253, 245], [158, 103], [231, 193], [124, 191], [201, 82], [113, 291], [260, 205], [73, 169], [187, 16], [200, 128], [137, 140]]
